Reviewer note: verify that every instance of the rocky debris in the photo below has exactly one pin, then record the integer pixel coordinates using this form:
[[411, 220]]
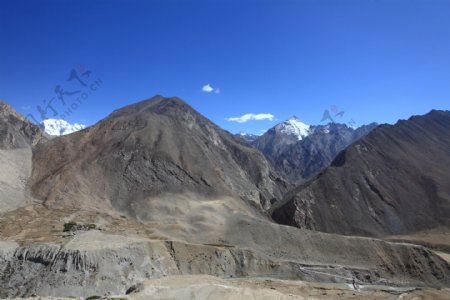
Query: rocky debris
[[204, 287], [17, 138], [73, 226], [393, 181], [201, 287], [16, 170]]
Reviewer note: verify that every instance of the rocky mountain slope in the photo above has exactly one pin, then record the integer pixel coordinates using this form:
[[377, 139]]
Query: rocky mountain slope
[[16, 132], [299, 151], [393, 181], [17, 137], [147, 151]]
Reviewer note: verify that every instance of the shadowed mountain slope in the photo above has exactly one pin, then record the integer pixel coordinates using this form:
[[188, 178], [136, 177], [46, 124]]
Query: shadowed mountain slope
[[393, 181]]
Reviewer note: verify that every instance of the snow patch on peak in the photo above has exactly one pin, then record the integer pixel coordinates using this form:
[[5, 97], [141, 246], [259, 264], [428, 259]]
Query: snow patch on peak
[[294, 126], [57, 127], [250, 137]]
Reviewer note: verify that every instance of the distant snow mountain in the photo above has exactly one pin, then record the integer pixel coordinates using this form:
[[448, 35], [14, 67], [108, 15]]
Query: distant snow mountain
[[249, 137], [299, 151], [57, 127], [293, 127]]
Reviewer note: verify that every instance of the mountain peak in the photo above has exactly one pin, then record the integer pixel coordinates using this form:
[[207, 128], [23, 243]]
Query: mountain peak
[[437, 112], [295, 127], [158, 104], [153, 148], [8, 110], [56, 127]]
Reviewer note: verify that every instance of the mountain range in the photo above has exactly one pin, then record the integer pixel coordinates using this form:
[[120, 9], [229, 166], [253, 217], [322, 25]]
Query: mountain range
[[299, 151], [393, 181], [156, 190], [56, 127]]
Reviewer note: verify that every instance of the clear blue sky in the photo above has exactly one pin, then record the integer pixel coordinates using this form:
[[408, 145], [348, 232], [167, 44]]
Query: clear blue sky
[[375, 60]]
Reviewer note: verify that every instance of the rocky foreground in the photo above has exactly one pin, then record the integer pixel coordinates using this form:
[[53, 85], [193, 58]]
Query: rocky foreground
[[92, 262], [203, 287]]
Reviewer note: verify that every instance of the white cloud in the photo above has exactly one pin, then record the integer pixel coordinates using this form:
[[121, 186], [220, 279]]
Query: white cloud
[[207, 88], [250, 117]]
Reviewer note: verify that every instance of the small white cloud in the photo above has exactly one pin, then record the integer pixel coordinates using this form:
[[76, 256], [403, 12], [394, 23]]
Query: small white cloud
[[250, 117], [207, 88], [26, 107]]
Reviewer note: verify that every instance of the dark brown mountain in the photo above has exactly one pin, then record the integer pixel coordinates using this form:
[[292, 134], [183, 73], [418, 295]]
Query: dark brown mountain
[[393, 181], [152, 149]]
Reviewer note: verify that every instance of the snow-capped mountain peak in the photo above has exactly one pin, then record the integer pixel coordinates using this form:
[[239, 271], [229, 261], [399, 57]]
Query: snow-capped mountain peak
[[249, 137], [58, 127], [294, 126]]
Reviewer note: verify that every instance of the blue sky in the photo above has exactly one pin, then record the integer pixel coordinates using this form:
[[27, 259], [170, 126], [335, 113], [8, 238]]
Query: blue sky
[[374, 60]]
